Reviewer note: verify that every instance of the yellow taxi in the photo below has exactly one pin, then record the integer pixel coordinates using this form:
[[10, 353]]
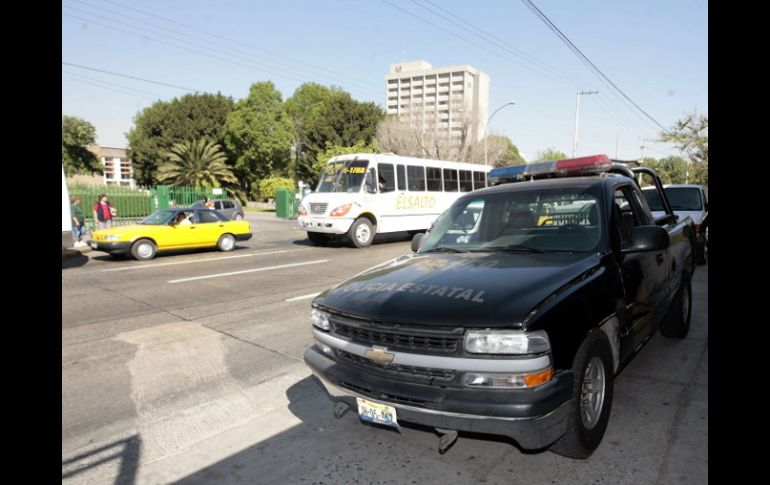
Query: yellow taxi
[[166, 229]]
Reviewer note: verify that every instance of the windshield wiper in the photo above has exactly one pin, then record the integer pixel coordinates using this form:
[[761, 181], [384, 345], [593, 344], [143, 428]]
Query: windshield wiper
[[443, 249], [517, 248]]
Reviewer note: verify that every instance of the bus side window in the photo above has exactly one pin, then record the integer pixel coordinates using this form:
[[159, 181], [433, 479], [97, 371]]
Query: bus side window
[[401, 177], [479, 180], [450, 180], [466, 181], [416, 177], [387, 178], [434, 179]]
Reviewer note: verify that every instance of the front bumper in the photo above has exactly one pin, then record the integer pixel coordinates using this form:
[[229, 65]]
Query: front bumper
[[326, 225], [534, 418], [110, 246]]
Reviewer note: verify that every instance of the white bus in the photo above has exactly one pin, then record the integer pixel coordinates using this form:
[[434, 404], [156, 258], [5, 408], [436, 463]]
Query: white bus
[[364, 194], [66, 219]]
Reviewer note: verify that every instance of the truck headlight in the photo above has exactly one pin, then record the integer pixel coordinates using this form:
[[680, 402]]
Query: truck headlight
[[506, 342], [320, 319], [111, 238]]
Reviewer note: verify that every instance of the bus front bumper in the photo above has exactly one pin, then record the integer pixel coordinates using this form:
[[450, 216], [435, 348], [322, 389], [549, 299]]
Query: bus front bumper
[[326, 225]]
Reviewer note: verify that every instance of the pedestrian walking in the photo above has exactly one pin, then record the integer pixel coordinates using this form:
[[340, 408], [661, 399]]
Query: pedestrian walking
[[104, 212], [78, 221]]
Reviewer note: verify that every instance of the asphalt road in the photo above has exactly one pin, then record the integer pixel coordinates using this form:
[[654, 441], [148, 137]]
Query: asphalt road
[[188, 368]]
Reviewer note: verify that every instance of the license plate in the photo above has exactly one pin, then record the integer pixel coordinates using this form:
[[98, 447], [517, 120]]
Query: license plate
[[373, 412], [93, 245]]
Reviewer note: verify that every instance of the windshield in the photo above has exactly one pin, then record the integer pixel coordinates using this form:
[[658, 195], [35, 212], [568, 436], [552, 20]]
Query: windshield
[[564, 219], [343, 176], [653, 200], [157, 218], [684, 198]]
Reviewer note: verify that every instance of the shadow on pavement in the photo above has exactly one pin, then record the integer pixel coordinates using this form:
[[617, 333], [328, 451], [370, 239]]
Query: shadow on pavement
[[127, 451], [72, 258], [344, 242]]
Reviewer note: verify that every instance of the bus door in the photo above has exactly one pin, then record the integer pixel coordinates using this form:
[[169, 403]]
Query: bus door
[[388, 189]]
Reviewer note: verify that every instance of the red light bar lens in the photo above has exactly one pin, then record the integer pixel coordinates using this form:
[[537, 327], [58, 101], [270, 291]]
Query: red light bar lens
[[592, 164]]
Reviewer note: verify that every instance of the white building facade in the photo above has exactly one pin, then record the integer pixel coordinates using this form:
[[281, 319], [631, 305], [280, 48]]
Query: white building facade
[[440, 99]]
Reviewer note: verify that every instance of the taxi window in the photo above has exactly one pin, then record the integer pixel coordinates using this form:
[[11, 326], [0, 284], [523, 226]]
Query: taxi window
[[209, 216]]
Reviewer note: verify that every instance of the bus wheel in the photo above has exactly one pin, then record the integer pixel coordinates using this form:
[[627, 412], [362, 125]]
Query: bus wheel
[[361, 232]]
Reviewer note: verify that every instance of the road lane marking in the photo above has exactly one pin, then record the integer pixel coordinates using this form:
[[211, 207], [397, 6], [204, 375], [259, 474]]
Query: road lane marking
[[268, 268], [303, 297], [141, 266]]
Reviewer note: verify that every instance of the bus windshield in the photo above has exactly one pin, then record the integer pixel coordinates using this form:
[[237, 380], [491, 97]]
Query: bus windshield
[[344, 176]]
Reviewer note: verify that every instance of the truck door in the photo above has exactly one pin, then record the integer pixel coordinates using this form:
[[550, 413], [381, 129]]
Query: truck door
[[643, 273]]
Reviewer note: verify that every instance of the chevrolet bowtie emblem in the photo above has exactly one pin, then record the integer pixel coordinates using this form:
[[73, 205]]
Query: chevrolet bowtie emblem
[[379, 355]]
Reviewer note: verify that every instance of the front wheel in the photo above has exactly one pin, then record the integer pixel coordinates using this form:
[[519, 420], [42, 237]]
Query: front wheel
[[592, 391], [361, 232], [226, 242], [143, 250]]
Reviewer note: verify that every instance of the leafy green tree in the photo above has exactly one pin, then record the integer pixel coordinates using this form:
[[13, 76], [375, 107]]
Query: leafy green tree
[[509, 155], [258, 136], [691, 137], [324, 116], [268, 186], [332, 151], [76, 135], [162, 125], [550, 154], [199, 163]]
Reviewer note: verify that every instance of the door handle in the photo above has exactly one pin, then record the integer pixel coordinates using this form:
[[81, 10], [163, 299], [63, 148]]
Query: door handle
[[659, 258]]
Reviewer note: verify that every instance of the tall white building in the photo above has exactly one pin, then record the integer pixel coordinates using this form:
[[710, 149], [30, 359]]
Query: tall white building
[[440, 99]]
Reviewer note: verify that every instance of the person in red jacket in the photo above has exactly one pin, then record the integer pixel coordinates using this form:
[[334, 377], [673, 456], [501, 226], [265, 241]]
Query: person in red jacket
[[103, 212]]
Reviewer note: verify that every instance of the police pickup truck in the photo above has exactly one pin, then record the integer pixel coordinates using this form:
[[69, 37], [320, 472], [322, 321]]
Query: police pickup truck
[[515, 312]]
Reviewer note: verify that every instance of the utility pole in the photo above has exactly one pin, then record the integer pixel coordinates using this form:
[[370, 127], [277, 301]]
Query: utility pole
[[486, 129], [577, 112]]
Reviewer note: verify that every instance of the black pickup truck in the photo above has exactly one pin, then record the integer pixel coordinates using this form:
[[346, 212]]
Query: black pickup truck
[[515, 312]]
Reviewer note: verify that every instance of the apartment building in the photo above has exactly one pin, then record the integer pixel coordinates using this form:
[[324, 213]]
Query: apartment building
[[440, 99], [117, 166]]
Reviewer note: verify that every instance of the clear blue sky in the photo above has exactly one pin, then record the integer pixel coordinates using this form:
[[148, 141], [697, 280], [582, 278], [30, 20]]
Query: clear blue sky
[[656, 51]]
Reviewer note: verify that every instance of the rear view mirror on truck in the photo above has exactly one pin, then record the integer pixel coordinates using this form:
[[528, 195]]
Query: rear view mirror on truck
[[647, 238]]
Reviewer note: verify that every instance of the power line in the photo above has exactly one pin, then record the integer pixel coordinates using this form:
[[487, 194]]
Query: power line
[[281, 56], [111, 84], [112, 89], [583, 57], [132, 77], [502, 44], [475, 44], [271, 64]]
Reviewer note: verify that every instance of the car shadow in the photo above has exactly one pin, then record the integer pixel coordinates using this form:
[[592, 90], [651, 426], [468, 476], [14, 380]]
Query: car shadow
[[72, 258], [343, 242]]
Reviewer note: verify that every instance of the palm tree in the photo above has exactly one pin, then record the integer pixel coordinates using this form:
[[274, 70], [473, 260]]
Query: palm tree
[[197, 163]]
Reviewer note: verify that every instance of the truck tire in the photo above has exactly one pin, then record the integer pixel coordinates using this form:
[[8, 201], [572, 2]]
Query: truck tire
[[589, 409], [361, 233], [143, 249], [676, 322], [318, 238]]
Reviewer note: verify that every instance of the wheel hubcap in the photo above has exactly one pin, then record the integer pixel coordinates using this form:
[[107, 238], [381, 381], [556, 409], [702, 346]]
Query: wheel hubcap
[[592, 393], [362, 233], [144, 250], [227, 243]]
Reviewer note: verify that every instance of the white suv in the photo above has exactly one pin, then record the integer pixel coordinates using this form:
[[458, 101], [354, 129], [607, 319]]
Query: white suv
[[686, 200]]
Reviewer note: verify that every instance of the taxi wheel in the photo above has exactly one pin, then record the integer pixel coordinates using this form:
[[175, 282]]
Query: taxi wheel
[[226, 242], [143, 250], [361, 233]]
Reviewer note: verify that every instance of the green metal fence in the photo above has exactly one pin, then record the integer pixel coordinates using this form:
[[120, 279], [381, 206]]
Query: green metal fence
[[134, 204]]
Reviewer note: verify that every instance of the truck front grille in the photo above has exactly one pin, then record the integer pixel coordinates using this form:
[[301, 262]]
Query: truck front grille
[[421, 374], [398, 337], [318, 208]]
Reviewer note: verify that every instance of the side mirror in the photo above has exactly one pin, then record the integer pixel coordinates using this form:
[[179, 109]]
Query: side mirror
[[417, 241], [647, 238]]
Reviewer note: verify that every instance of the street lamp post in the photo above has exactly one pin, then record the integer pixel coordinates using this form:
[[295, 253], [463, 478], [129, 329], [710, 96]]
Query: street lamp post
[[577, 111], [486, 129]]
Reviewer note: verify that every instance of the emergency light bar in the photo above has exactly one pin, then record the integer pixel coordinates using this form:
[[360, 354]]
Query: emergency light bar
[[553, 168]]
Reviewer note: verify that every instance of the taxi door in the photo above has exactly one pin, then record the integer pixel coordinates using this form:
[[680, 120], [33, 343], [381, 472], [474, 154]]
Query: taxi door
[[209, 227]]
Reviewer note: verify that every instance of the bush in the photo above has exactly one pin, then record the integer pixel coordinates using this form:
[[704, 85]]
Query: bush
[[268, 186]]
